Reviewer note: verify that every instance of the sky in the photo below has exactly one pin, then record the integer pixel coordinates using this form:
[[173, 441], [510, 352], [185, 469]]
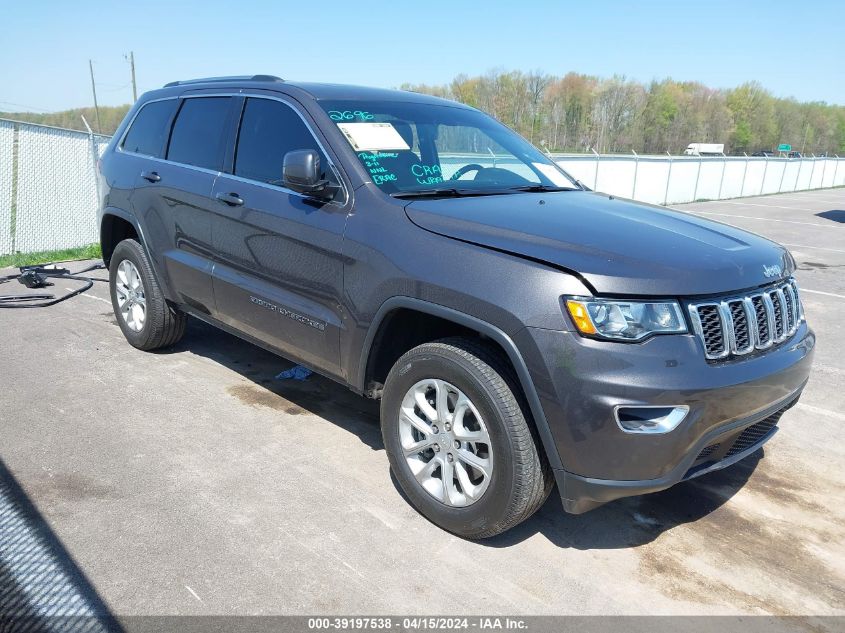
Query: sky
[[792, 48]]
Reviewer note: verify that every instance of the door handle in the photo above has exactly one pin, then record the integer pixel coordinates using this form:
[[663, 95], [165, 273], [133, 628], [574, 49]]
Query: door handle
[[152, 176], [232, 199]]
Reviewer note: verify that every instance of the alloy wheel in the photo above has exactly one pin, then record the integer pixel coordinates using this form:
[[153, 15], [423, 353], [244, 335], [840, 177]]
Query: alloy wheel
[[445, 442], [131, 300]]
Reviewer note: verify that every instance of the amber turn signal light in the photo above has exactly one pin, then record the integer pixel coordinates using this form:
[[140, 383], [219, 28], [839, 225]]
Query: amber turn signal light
[[578, 312]]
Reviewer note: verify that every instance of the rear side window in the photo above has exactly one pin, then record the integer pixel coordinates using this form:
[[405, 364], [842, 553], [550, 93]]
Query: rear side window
[[199, 132], [148, 131], [269, 130]]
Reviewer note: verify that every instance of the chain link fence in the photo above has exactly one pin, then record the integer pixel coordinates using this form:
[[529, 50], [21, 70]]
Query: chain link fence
[[48, 182], [7, 171], [48, 187]]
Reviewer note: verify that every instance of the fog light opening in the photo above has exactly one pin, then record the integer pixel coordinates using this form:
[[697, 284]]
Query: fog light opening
[[649, 419]]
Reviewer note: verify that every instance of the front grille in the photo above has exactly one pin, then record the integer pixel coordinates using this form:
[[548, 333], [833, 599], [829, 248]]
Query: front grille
[[734, 326]]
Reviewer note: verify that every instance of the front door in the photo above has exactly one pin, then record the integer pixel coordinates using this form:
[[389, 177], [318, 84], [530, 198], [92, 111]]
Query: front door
[[279, 273]]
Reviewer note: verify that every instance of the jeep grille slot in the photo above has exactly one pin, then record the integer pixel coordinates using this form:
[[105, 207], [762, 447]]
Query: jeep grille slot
[[738, 325], [762, 320], [789, 299], [778, 314], [742, 334], [711, 326]]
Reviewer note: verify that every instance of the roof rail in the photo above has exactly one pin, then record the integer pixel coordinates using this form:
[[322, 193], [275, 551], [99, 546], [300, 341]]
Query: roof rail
[[219, 79]]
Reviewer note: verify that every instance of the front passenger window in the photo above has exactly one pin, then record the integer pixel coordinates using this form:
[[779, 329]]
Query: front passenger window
[[269, 130]]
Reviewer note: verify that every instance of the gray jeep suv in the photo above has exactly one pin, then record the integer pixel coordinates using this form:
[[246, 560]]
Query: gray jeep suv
[[519, 329]]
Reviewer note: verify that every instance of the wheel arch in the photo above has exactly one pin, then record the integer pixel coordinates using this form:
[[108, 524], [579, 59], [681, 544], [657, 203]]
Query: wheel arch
[[117, 225], [462, 322]]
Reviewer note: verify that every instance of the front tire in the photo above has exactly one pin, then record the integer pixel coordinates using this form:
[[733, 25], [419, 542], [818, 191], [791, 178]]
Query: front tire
[[146, 319], [459, 441]]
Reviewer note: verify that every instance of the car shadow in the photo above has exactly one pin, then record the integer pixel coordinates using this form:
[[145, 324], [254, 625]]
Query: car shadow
[[633, 521], [41, 586], [620, 524], [835, 215], [317, 394]]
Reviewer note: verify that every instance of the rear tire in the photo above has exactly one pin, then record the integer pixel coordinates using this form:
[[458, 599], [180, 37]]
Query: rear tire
[[482, 403], [146, 319]]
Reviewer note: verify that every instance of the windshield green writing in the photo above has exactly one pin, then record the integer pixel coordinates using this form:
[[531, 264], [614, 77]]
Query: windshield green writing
[[427, 174], [372, 161], [350, 115]]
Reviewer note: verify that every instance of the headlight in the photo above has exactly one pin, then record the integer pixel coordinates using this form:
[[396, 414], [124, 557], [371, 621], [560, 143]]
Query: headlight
[[626, 320]]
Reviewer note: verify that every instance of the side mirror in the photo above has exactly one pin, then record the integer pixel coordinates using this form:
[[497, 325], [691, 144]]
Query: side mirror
[[301, 173]]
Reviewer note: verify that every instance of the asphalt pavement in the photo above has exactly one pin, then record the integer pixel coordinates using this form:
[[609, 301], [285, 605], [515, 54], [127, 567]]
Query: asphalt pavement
[[191, 481]]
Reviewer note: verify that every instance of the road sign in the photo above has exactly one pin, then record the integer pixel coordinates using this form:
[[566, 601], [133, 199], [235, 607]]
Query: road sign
[[784, 147]]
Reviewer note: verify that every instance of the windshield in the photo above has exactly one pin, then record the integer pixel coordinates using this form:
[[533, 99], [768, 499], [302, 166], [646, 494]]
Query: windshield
[[429, 149]]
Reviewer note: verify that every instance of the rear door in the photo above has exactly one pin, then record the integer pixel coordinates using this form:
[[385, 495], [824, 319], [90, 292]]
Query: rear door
[[279, 270], [173, 198]]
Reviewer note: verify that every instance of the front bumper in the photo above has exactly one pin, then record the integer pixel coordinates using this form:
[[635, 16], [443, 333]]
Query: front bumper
[[579, 382], [720, 448]]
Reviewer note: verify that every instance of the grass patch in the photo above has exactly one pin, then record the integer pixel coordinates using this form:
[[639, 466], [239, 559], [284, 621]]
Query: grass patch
[[92, 251]]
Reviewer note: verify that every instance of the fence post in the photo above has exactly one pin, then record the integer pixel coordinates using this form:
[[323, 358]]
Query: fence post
[[13, 216], [722, 178], [697, 176], [596, 177], [636, 168], [668, 179], [824, 171], [765, 169], [782, 174], [813, 172], [744, 171], [836, 171], [93, 155], [93, 145]]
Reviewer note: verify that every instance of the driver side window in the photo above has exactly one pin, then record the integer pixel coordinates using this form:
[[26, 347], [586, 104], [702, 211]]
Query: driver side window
[[270, 129]]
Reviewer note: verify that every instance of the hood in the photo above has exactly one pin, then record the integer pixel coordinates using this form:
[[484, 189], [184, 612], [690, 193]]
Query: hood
[[617, 246]]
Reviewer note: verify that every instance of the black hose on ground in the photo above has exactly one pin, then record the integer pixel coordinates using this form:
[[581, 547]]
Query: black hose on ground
[[37, 276]]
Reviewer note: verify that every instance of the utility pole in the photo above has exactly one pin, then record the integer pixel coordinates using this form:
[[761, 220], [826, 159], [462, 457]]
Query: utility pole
[[804, 144], [94, 90], [132, 66]]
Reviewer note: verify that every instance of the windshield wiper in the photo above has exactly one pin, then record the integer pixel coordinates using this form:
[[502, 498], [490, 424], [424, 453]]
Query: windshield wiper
[[541, 188], [445, 192]]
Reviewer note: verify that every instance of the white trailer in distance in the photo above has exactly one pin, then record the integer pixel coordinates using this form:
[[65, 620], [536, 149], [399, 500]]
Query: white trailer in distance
[[705, 149]]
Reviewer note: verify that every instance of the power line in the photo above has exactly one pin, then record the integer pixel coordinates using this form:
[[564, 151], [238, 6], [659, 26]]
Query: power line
[[28, 107], [113, 87]]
